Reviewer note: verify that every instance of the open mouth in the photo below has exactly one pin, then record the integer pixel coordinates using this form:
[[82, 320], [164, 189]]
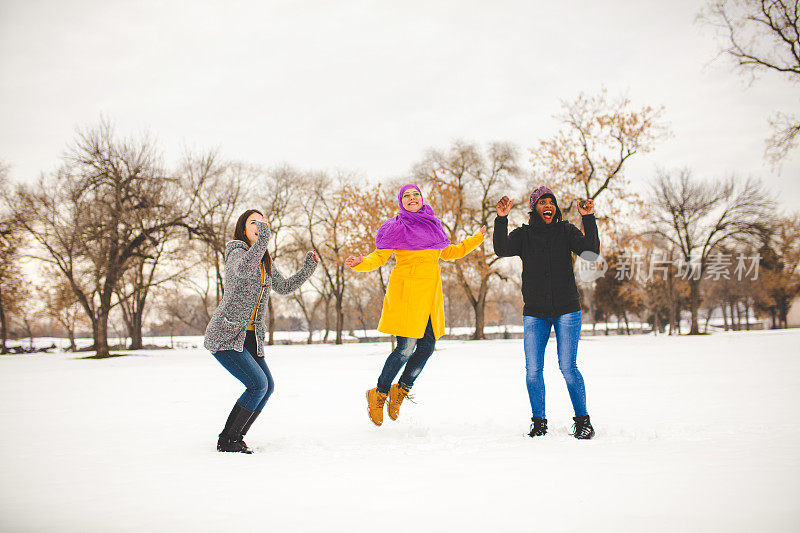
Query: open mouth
[[547, 213]]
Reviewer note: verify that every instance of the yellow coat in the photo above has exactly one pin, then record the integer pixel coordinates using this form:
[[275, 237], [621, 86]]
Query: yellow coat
[[415, 287]]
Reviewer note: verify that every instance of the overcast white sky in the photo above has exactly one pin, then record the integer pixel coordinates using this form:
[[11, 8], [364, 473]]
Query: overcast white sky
[[368, 86]]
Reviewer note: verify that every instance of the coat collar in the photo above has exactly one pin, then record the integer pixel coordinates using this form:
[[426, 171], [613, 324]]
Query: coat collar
[[537, 224], [235, 245]]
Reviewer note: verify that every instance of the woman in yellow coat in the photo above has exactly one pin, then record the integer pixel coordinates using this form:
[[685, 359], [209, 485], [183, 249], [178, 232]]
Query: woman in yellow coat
[[413, 308]]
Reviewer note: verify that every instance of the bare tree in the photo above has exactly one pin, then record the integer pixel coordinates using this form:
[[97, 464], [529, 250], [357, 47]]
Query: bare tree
[[49, 212], [330, 216], [698, 218], [60, 304], [367, 208], [730, 294], [145, 272], [465, 186], [619, 295], [762, 36], [276, 197], [666, 294], [364, 302], [100, 209], [588, 156], [179, 309], [220, 189], [309, 300], [779, 275], [11, 276], [30, 315], [11, 281], [325, 225]]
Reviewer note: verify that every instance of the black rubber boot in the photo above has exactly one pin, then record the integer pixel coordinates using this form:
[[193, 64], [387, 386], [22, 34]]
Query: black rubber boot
[[230, 440], [538, 427], [582, 428]]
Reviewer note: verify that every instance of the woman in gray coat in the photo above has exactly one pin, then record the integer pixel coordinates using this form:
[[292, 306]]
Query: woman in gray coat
[[235, 334]]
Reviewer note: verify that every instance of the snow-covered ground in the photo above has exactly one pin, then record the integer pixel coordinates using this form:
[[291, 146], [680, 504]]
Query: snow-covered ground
[[693, 434]]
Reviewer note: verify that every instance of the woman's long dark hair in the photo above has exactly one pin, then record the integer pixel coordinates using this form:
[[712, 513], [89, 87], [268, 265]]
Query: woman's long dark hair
[[240, 235]]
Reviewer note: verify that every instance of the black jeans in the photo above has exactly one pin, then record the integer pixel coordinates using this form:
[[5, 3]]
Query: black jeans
[[406, 354]]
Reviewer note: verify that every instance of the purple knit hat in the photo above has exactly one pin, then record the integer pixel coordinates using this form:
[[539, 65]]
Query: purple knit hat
[[537, 194]]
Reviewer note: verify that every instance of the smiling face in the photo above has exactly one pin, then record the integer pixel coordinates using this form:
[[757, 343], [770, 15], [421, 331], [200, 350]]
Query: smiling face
[[546, 207], [412, 200]]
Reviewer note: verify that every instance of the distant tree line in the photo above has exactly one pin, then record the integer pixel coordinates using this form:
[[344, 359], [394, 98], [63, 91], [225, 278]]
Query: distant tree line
[[122, 245]]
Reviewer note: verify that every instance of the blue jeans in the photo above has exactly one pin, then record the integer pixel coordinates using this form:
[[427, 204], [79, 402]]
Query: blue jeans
[[405, 354], [253, 373], [536, 335]]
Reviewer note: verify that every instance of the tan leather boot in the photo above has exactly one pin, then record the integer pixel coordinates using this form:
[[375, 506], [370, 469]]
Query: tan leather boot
[[375, 402], [396, 396]]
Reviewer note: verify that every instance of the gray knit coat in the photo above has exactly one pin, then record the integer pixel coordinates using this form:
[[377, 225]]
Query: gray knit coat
[[227, 329]]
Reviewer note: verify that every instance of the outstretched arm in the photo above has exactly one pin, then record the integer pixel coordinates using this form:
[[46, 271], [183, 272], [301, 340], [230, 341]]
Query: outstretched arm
[[282, 285], [457, 251], [247, 262], [373, 261]]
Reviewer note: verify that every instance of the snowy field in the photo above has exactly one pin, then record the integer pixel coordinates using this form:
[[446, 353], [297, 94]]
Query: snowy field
[[693, 434]]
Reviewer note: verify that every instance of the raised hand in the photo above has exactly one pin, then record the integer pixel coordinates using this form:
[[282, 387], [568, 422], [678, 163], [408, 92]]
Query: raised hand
[[504, 206], [586, 207], [483, 230], [311, 258], [353, 261]]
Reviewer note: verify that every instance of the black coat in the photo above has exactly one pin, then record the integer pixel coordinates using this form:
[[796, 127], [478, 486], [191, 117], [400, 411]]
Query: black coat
[[548, 280]]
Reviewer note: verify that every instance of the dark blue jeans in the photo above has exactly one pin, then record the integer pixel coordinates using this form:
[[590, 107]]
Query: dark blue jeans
[[252, 371], [535, 337], [406, 354]]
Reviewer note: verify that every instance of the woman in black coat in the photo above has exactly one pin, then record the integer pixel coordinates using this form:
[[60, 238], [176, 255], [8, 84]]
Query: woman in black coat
[[550, 294]]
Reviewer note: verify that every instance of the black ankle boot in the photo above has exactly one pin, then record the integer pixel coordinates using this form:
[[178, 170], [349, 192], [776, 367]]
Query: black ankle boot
[[582, 428], [538, 427], [230, 440]]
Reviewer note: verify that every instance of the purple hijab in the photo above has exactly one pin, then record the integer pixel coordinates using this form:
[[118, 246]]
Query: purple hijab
[[412, 231]]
